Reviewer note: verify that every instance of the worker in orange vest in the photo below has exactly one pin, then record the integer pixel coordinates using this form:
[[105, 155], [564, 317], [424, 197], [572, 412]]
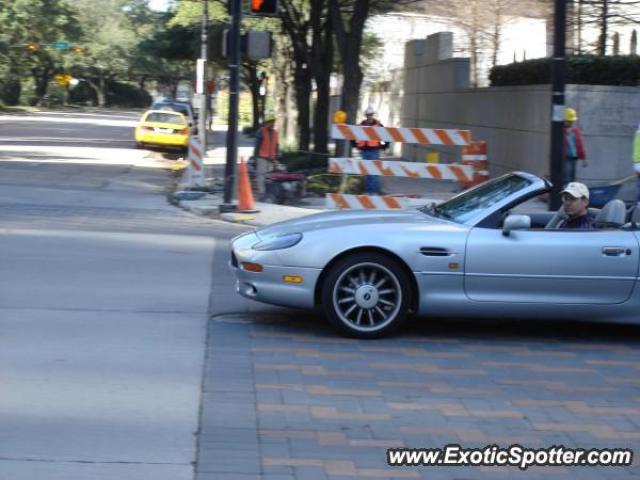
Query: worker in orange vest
[[370, 150], [266, 153]]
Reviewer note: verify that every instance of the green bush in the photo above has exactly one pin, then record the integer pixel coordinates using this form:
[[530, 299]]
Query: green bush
[[309, 162], [10, 90], [244, 109], [121, 94], [622, 70], [83, 94], [323, 183]]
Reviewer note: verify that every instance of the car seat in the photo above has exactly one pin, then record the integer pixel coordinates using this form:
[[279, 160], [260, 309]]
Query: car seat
[[612, 215], [634, 219]]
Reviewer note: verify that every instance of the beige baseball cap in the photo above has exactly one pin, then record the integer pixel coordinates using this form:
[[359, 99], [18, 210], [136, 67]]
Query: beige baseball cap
[[577, 190]]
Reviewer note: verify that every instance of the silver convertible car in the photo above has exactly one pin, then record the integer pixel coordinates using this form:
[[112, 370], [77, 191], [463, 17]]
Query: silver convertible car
[[478, 254]]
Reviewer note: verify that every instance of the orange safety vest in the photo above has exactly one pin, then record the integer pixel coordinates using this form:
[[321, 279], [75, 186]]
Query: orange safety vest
[[268, 144], [369, 143]]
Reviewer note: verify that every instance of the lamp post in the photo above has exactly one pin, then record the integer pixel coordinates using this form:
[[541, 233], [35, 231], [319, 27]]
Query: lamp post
[[557, 103], [234, 87], [202, 81]]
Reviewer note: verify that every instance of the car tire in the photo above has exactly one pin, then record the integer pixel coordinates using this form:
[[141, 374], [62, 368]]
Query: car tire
[[366, 295]]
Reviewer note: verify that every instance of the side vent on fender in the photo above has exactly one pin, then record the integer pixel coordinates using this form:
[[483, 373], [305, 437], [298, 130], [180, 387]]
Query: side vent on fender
[[435, 252]]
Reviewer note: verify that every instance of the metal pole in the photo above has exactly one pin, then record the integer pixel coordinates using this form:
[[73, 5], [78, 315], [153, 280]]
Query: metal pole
[[234, 87], [557, 105], [202, 119]]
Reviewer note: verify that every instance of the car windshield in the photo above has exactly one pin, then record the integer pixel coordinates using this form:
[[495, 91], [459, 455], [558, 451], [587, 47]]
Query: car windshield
[[165, 117], [468, 204], [173, 106]]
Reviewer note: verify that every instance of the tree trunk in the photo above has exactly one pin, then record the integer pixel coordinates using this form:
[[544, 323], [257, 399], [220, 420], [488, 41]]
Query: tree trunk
[[302, 82], [102, 89], [604, 24], [349, 45], [296, 25], [322, 60], [580, 27], [282, 72], [41, 77], [250, 78], [633, 47], [473, 59]]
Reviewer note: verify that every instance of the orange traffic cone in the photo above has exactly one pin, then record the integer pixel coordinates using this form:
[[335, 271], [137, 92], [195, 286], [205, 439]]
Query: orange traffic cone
[[245, 195]]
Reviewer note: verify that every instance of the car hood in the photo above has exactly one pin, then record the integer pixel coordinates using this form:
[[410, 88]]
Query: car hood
[[346, 218]]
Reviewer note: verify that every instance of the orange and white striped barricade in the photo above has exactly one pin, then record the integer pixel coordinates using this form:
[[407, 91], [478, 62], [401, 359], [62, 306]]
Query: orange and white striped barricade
[[475, 155], [195, 168], [365, 202], [422, 136], [356, 166]]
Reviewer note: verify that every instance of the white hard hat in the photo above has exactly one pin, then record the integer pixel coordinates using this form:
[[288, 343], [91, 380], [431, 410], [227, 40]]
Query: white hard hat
[[577, 190], [370, 111]]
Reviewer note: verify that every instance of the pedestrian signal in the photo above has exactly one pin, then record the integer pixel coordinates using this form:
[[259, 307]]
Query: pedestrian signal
[[263, 7]]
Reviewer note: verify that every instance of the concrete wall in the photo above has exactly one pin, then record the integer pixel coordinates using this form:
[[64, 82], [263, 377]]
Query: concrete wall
[[515, 121]]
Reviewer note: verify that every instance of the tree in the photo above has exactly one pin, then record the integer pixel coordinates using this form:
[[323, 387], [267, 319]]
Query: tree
[[603, 15], [167, 55], [483, 22], [109, 40], [189, 14], [38, 22], [348, 19], [308, 27]]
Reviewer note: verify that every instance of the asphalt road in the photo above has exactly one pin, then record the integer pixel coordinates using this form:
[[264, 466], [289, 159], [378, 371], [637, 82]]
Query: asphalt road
[[125, 352], [104, 301]]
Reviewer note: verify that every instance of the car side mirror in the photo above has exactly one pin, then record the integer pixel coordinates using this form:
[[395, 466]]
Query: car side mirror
[[515, 222]]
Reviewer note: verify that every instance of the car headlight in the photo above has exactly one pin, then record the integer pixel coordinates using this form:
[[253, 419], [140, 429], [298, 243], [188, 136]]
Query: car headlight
[[286, 240]]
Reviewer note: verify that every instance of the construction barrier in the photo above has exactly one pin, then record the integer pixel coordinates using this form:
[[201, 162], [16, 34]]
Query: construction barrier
[[195, 168], [421, 136], [475, 156], [365, 202], [356, 166]]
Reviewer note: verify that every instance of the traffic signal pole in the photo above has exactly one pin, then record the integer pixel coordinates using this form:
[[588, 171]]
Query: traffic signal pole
[[202, 87], [234, 91], [558, 80]]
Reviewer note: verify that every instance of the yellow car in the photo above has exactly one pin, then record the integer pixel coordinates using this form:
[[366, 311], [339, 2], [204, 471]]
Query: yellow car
[[162, 128]]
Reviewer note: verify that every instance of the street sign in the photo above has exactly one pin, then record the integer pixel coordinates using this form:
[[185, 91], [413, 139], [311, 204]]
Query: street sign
[[61, 45], [63, 79]]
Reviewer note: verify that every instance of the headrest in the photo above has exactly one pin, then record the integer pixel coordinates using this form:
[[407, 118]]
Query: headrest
[[612, 215]]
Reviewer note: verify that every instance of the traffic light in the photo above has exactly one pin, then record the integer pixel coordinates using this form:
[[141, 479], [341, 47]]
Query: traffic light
[[31, 47], [78, 50], [263, 7]]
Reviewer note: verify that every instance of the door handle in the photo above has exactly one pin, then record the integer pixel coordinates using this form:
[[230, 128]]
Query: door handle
[[614, 251]]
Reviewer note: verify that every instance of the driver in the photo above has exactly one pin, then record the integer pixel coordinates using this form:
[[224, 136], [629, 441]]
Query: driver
[[575, 200]]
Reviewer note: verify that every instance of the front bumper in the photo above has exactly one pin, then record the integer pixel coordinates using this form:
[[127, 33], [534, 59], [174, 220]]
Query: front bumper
[[268, 286]]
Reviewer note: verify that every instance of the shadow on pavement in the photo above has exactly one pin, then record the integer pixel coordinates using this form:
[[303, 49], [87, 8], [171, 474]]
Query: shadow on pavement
[[299, 322]]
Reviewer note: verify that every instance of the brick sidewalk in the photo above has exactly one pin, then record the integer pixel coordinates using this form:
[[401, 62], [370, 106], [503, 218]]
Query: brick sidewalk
[[285, 398]]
